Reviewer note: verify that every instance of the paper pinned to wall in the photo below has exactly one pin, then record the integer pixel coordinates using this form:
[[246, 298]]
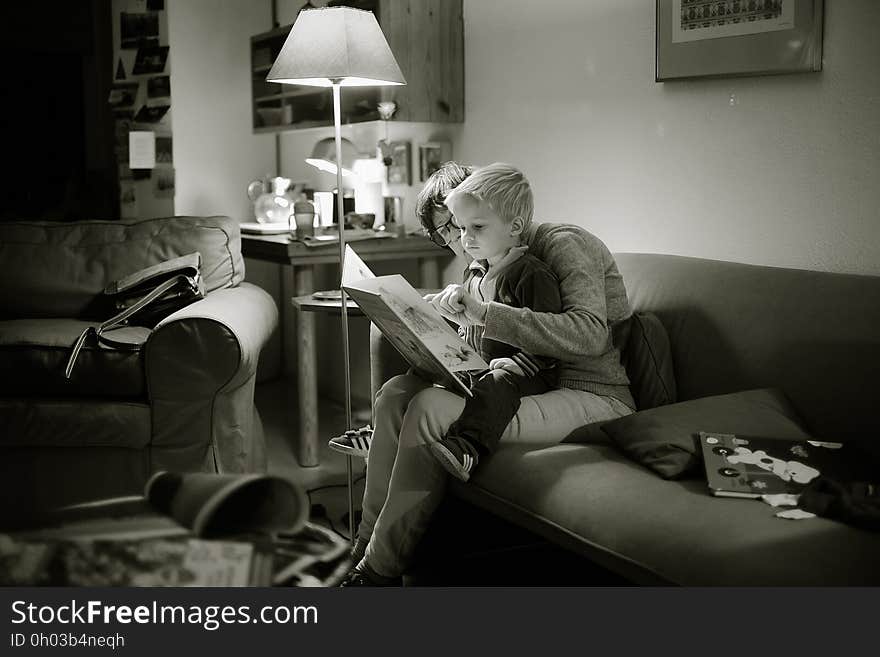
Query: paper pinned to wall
[[141, 149]]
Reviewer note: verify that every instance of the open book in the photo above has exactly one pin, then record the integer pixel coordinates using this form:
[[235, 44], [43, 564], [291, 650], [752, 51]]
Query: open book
[[416, 329]]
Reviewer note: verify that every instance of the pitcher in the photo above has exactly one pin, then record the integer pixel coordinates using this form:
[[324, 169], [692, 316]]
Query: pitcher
[[273, 202]]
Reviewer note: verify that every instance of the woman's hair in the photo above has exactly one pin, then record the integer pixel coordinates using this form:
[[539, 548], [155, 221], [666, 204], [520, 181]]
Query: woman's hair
[[504, 188], [436, 188]]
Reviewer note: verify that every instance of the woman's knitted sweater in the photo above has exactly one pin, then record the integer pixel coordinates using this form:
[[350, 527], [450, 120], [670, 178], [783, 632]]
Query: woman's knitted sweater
[[584, 338]]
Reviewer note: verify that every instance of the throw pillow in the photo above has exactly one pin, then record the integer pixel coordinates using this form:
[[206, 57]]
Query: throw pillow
[[666, 439], [648, 362]]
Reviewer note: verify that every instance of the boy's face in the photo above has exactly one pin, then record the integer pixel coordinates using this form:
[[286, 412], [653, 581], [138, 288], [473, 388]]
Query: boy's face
[[484, 234]]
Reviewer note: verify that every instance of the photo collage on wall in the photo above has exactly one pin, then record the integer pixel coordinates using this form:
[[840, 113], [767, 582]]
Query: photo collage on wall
[[141, 102]]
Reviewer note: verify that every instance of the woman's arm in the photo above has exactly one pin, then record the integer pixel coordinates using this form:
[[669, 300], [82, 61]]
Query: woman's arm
[[538, 290], [581, 329]]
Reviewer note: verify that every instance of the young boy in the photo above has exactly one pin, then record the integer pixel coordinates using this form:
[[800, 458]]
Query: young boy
[[492, 207]]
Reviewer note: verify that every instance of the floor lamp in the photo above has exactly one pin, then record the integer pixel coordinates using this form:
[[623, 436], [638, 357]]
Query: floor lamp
[[337, 47]]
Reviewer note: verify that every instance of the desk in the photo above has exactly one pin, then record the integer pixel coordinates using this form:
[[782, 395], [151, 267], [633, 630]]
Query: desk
[[298, 280]]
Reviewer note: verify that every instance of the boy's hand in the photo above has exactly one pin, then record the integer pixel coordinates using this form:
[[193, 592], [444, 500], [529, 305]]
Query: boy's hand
[[506, 364], [455, 304]]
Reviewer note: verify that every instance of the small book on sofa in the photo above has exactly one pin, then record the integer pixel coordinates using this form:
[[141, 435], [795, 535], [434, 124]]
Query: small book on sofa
[[420, 333], [752, 466]]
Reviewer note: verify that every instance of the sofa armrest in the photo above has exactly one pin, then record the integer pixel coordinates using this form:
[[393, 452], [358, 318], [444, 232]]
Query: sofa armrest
[[200, 367]]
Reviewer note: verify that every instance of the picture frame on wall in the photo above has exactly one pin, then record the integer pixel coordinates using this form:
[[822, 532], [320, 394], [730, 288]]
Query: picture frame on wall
[[400, 169], [716, 38], [431, 155]]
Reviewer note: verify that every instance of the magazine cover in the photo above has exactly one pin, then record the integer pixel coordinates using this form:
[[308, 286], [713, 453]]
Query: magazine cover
[[751, 466], [420, 333]]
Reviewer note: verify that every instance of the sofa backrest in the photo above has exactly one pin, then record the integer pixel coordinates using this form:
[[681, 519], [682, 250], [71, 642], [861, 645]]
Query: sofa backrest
[[733, 326], [51, 269]]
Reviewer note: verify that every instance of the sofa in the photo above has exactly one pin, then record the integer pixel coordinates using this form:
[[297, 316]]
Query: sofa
[[715, 346], [183, 402]]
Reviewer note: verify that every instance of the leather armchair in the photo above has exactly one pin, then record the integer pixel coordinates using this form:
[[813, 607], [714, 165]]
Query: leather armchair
[[184, 402]]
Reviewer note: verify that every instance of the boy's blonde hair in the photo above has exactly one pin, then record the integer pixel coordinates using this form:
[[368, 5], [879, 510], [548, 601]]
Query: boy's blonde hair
[[503, 187]]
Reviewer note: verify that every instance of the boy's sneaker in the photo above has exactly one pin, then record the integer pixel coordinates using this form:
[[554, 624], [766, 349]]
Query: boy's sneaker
[[363, 575], [353, 443], [457, 455]]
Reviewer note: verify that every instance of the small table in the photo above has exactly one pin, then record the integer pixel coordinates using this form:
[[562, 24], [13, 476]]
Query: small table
[[298, 281]]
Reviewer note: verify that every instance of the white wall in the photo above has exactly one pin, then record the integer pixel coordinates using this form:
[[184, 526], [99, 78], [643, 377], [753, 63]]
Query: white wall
[[216, 153], [786, 175]]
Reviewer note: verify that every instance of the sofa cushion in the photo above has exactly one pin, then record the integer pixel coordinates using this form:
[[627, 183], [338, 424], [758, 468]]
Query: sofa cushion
[[37, 351], [595, 501], [665, 439], [52, 269], [648, 362]]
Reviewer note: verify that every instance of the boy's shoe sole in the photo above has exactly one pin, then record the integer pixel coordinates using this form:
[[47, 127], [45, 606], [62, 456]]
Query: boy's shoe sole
[[449, 462]]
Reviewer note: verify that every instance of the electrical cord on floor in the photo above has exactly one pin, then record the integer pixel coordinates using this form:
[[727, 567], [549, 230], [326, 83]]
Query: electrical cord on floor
[[320, 511], [355, 481]]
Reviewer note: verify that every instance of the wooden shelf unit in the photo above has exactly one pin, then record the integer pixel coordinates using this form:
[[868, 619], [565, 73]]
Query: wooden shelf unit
[[427, 39]]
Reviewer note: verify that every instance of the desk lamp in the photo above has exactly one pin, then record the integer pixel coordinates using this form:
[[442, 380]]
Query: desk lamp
[[337, 47]]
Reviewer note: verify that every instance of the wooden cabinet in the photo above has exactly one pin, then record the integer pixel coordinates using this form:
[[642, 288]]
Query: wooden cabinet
[[427, 38]]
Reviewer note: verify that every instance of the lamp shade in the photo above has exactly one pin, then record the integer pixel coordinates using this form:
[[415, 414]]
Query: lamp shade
[[339, 44], [324, 156]]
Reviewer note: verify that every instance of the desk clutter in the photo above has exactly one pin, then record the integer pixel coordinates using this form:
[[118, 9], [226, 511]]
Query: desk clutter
[[193, 529], [319, 238]]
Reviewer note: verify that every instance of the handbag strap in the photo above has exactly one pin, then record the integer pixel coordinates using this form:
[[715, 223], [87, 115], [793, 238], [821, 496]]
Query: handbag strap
[[120, 320]]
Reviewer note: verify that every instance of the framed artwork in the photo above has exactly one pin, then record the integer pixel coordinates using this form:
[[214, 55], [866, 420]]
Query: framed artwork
[[723, 38], [399, 171], [431, 155]]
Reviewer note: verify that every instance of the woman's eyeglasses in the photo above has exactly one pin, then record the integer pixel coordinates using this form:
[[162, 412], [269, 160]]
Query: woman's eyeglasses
[[446, 233]]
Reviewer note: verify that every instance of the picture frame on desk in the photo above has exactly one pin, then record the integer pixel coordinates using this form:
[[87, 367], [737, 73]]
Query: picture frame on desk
[[697, 39]]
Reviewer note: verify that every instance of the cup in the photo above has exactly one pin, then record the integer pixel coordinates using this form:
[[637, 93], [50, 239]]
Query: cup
[[304, 217], [305, 223]]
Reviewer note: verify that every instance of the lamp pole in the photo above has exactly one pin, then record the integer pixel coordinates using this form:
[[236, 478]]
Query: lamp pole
[[340, 217]]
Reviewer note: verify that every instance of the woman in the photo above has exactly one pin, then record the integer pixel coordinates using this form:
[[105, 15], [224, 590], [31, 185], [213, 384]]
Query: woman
[[405, 483]]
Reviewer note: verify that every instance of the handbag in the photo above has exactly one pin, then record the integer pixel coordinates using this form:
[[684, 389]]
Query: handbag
[[145, 298]]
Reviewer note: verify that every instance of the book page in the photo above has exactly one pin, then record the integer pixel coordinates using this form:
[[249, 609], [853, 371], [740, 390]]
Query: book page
[[354, 269], [426, 324], [416, 330]]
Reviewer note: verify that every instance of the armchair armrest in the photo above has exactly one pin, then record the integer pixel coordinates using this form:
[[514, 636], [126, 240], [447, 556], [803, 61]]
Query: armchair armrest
[[227, 329], [200, 366]]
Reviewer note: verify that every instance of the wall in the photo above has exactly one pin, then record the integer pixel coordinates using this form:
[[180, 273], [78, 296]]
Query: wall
[[216, 153], [144, 192], [786, 175]]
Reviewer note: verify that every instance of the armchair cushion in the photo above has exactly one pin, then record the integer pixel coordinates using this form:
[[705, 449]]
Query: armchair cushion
[[60, 269], [37, 351]]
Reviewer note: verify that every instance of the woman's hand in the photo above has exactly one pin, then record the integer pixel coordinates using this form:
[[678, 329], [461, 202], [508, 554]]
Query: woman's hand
[[457, 305], [506, 364]]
